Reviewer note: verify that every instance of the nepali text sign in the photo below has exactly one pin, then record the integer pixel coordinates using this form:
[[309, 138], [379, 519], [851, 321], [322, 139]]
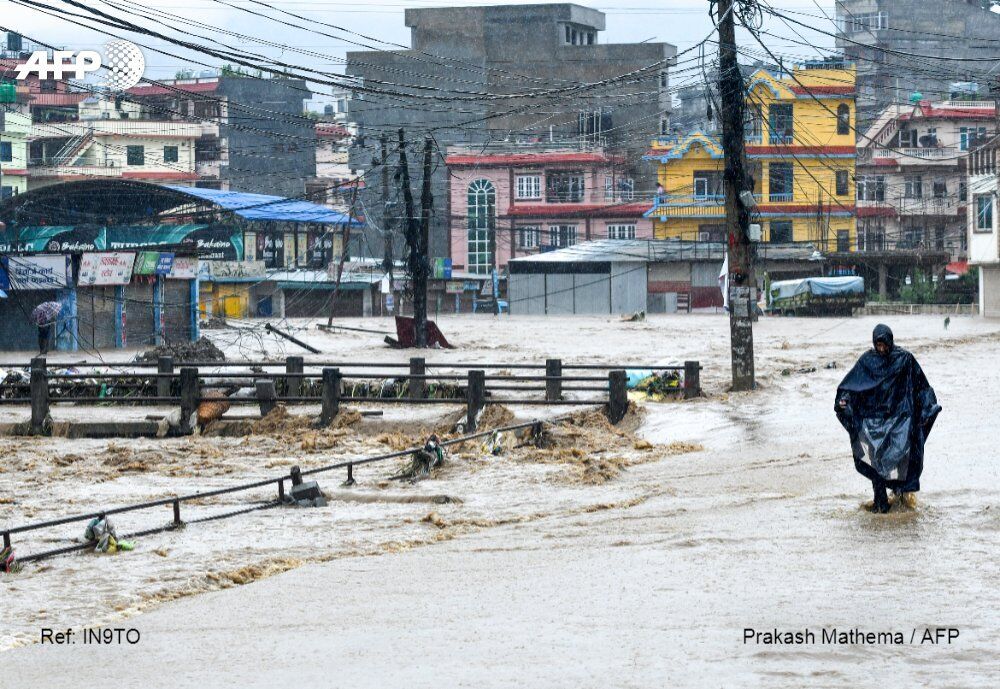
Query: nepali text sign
[[164, 263], [183, 268], [235, 270], [35, 272], [106, 269]]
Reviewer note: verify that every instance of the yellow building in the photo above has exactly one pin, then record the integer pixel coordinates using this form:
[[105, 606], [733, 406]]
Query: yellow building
[[800, 150]]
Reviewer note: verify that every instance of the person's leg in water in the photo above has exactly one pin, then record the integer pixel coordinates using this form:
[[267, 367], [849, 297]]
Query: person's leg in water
[[881, 502], [43, 338]]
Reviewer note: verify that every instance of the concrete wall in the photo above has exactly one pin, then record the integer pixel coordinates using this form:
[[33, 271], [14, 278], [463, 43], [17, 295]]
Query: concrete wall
[[989, 291]]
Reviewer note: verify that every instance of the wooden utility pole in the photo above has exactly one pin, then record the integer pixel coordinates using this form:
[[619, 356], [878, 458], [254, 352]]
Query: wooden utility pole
[[742, 284]]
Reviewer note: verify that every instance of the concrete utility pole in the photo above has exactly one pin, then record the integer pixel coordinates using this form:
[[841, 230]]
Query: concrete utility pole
[[742, 283], [388, 263], [416, 236]]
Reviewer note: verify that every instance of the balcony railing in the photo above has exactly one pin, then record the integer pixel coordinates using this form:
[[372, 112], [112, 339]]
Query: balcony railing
[[780, 198]]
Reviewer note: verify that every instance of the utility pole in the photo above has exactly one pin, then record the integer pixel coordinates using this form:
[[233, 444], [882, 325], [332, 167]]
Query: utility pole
[[388, 263], [417, 237], [345, 241], [742, 284], [420, 280]]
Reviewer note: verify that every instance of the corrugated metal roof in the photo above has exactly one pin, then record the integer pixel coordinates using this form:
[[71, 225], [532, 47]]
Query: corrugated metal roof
[[266, 207], [660, 251]]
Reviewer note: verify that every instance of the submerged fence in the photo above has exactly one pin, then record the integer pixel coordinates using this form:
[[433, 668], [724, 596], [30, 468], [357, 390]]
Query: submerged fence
[[328, 385]]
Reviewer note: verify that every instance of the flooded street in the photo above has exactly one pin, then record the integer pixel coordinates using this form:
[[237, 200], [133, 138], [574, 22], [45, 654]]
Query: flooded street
[[638, 566]]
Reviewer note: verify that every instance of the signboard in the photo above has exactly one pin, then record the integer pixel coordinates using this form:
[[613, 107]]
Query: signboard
[[234, 270], [145, 263], [183, 268], [106, 269], [35, 272], [442, 269], [164, 263], [454, 287], [383, 285], [389, 302]]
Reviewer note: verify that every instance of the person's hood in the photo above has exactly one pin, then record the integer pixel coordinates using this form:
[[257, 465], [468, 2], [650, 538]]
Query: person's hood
[[883, 333]]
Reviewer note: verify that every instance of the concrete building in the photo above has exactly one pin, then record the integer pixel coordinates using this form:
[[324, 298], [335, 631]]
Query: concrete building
[[657, 276], [14, 130], [984, 230], [466, 65], [507, 203], [254, 136], [912, 187], [334, 181], [801, 150], [110, 138], [905, 46]]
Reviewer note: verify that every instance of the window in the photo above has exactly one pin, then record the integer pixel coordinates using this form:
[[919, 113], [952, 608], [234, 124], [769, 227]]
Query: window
[[871, 188], [781, 123], [871, 235], [843, 119], [908, 138], [621, 189], [664, 126], [594, 122], [707, 184], [481, 226], [562, 235], [135, 155], [843, 240], [868, 21], [781, 231], [564, 187], [169, 154], [913, 186], [913, 238], [529, 186], [968, 137], [753, 128], [842, 183], [664, 80], [984, 213], [781, 182], [528, 237], [6, 193], [712, 233], [47, 86], [940, 189], [621, 231], [963, 191], [6, 151]]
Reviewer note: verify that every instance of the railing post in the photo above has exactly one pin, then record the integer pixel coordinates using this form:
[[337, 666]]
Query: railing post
[[177, 512], [6, 539], [266, 396], [475, 397], [692, 379], [39, 363], [39, 399], [190, 392], [331, 395], [294, 386], [164, 364], [553, 383], [418, 367], [617, 396], [281, 490]]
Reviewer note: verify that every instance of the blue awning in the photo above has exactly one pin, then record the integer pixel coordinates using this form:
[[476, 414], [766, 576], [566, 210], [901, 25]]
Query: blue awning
[[266, 207]]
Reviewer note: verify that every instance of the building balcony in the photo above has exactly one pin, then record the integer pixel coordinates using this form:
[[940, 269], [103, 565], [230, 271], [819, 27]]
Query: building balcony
[[688, 206], [41, 170], [940, 156]]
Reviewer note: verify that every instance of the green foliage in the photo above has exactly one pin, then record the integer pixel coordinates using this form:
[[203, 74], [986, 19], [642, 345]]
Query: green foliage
[[921, 290], [184, 74]]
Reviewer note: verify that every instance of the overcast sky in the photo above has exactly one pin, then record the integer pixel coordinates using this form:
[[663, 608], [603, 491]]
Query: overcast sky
[[680, 22]]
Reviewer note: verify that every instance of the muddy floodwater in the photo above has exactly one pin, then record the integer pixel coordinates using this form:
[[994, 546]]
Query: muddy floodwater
[[665, 553]]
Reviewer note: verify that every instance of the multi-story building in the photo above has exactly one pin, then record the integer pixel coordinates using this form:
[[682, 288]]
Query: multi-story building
[[507, 203], [14, 130], [983, 228], [906, 46], [112, 139], [515, 73], [335, 179], [911, 176], [254, 135], [800, 147]]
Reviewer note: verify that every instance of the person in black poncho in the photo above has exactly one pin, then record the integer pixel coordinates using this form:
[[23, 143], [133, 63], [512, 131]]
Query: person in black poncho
[[888, 408]]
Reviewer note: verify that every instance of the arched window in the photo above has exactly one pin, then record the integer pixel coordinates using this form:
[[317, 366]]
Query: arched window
[[482, 226], [843, 119]]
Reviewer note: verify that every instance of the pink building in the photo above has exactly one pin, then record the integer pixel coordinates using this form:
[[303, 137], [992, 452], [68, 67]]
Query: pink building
[[504, 205]]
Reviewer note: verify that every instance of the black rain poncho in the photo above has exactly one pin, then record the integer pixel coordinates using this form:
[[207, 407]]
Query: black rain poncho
[[890, 411]]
